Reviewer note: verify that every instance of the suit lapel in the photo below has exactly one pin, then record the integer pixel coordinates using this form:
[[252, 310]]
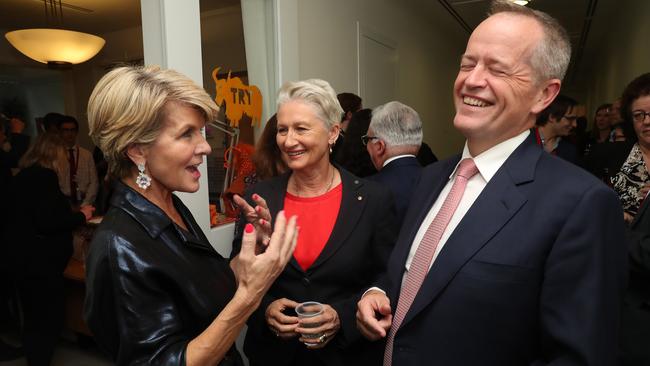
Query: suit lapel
[[427, 191], [353, 201], [495, 206]]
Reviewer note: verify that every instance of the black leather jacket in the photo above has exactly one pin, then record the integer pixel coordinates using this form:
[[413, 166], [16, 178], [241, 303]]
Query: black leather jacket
[[152, 286]]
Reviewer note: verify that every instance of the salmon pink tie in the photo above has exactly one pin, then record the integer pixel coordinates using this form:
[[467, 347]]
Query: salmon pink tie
[[424, 254]]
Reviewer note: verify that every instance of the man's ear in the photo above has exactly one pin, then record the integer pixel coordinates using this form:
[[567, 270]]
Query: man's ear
[[137, 153], [546, 95], [381, 147]]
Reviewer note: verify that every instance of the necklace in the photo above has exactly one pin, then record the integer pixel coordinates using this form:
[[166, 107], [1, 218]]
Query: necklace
[[329, 186]]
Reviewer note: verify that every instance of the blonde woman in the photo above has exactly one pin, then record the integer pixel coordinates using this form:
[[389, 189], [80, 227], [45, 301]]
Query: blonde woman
[[157, 291], [38, 244]]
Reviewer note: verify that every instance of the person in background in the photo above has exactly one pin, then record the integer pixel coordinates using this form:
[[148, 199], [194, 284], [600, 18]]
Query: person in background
[[13, 142], [635, 317], [347, 232], [350, 103], [37, 244], [554, 124], [632, 182], [602, 126], [393, 139], [79, 181], [489, 268], [267, 157], [353, 156], [51, 122], [157, 292]]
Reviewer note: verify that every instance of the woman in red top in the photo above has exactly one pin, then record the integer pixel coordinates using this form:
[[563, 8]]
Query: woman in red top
[[346, 234]]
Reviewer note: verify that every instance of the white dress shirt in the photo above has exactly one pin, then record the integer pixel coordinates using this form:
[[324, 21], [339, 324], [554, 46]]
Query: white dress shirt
[[488, 163], [87, 181]]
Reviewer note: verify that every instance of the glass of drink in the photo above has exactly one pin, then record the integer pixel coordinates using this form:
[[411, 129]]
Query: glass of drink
[[308, 310]]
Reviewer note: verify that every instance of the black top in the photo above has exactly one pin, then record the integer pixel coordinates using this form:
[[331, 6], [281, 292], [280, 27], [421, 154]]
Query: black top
[[38, 232], [353, 257], [151, 286]]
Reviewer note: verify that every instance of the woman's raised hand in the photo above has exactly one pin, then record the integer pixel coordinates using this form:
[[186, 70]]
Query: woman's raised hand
[[259, 216], [256, 272]]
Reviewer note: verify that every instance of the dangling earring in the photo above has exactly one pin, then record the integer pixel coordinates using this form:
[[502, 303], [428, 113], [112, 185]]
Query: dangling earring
[[143, 180], [330, 149]]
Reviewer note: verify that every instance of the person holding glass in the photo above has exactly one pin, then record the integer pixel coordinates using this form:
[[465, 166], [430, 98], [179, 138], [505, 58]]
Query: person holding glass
[[632, 183], [157, 291], [347, 232]]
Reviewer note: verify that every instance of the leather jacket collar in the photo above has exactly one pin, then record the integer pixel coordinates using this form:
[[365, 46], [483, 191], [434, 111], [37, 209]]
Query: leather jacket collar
[[154, 221]]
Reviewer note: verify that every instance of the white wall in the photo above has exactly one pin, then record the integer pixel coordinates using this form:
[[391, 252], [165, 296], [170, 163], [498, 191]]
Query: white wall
[[429, 46]]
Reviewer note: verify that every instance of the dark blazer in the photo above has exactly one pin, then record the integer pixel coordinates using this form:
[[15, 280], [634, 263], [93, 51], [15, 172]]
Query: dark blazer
[[152, 286], [38, 233], [401, 177], [635, 316], [355, 254], [533, 274]]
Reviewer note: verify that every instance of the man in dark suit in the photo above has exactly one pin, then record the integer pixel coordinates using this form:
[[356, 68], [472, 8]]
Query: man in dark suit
[[490, 269], [393, 140]]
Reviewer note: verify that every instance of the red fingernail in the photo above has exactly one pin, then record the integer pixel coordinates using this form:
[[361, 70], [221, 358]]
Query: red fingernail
[[249, 228], [262, 221], [255, 196]]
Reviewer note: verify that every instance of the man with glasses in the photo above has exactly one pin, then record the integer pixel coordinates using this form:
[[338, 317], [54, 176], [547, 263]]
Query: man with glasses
[[554, 124], [393, 140]]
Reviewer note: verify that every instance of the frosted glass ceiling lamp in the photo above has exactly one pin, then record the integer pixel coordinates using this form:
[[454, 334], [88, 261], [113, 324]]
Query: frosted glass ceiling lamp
[[521, 2], [55, 46]]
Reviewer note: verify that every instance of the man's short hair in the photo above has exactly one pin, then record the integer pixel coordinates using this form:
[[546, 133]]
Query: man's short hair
[[51, 120], [557, 109], [69, 119], [397, 124], [550, 57]]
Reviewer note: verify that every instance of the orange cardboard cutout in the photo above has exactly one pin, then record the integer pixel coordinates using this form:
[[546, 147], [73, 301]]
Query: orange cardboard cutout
[[240, 99]]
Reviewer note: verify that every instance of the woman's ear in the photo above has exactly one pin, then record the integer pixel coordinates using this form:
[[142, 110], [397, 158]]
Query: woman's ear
[[334, 134], [137, 153]]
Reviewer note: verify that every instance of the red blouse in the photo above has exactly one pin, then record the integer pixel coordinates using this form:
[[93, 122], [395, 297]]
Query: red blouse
[[316, 218]]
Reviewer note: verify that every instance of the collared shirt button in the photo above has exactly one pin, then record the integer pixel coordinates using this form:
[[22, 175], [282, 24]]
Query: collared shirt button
[[359, 198], [306, 281], [356, 181]]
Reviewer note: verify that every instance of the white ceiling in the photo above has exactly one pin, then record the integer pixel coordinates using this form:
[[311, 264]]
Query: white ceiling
[[91, 16]]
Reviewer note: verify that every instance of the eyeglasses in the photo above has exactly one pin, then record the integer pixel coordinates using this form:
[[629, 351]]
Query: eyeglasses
[[365, 139], [639, 116]]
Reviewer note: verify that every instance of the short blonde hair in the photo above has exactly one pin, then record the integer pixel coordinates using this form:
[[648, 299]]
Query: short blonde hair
[[127, 107], [47, 151], [317, 93]]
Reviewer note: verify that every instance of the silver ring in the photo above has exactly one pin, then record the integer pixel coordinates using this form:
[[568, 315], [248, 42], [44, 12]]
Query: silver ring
[[322, 338]]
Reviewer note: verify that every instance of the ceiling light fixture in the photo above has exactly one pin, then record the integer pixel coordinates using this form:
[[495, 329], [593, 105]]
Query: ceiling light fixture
[[521, 2], [55, 47]]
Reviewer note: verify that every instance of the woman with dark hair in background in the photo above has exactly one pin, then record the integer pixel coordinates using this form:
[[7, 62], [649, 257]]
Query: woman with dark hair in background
[[632, 182], [38, 244], [267, 158], [353, 155]]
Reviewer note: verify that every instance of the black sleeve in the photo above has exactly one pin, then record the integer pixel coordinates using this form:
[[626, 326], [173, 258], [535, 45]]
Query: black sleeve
[[53, 212]]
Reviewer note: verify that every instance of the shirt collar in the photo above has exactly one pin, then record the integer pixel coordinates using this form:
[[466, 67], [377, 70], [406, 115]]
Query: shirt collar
[[397, 157], [489, 161]]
